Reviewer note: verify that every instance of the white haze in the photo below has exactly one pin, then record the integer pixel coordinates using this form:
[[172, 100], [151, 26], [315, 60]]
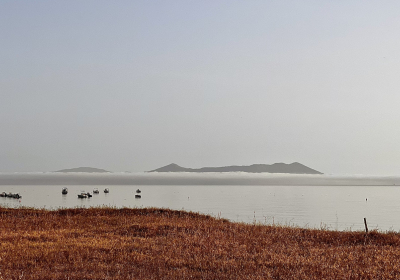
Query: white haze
[[234, 178]]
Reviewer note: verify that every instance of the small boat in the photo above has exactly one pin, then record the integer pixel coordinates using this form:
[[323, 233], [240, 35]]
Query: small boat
[[3, 194], [138, 191], [89, 195], [138, 196], [106, 190], [96, 191], [16, 195], [82, 195], [64, 191]]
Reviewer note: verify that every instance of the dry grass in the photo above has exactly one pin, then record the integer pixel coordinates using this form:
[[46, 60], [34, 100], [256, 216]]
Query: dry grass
[[105, 243]]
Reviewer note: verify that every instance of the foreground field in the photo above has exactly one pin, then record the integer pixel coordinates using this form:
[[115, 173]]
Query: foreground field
[[104, 243]]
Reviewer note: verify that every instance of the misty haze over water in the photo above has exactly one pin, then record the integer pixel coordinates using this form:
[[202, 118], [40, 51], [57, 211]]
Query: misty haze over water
[[232, 178]]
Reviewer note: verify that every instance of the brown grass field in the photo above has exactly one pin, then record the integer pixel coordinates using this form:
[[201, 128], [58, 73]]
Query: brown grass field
[[107, 243]]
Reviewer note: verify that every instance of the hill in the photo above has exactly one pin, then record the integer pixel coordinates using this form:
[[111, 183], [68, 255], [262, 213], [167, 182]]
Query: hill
[[84, 169], [292, 168]]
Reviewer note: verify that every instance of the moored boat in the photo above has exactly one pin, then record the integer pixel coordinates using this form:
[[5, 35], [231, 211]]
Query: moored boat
[[106, 190], [82, 195], [138, 196], [10, 195], [96, 191], [17, 195], [138, 191], [64, 191]]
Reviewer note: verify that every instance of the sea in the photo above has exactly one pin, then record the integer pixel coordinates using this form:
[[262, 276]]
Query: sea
[[329, 202]]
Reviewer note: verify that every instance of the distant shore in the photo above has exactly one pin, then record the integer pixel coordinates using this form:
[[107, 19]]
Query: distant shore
[[185, 178], [292, 168], [108, 243]]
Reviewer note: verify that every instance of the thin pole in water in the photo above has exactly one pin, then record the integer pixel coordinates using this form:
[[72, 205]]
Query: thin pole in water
[[365, 223]]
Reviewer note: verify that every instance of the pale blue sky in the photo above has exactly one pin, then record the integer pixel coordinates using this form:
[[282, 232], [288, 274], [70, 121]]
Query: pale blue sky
[[135, 85]]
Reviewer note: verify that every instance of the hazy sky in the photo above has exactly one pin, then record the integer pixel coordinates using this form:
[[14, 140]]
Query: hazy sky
[[135, 85]]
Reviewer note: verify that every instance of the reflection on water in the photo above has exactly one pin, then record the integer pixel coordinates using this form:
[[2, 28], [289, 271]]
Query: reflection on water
[[332, 207]]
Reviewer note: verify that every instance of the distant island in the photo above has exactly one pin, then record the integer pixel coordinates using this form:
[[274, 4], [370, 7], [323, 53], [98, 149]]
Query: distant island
[[85, 170], [292, 168]]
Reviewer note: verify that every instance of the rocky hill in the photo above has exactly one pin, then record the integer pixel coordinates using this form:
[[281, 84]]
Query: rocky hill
[[292, 168]]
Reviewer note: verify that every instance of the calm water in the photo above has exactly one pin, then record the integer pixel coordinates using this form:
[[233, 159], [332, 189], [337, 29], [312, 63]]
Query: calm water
[[332, 207]]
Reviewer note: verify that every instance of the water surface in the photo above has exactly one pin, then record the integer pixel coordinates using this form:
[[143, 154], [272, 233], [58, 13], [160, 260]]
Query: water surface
[[331, 207]]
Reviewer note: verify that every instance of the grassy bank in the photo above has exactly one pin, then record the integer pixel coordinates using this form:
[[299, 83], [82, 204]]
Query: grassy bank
[[104, 243]]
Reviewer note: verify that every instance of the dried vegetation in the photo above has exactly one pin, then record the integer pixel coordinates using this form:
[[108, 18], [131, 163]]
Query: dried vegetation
[[106, 243]]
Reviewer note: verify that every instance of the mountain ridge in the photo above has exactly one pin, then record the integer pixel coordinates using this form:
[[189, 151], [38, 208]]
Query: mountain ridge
[[84, 170], [292, 168]]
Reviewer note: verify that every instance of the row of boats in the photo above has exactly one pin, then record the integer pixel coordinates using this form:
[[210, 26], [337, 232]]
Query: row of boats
[[10, 195], [65, 191], [96, 191]]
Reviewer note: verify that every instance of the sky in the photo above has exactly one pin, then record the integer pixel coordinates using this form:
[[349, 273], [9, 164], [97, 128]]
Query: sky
[[136, 85]]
